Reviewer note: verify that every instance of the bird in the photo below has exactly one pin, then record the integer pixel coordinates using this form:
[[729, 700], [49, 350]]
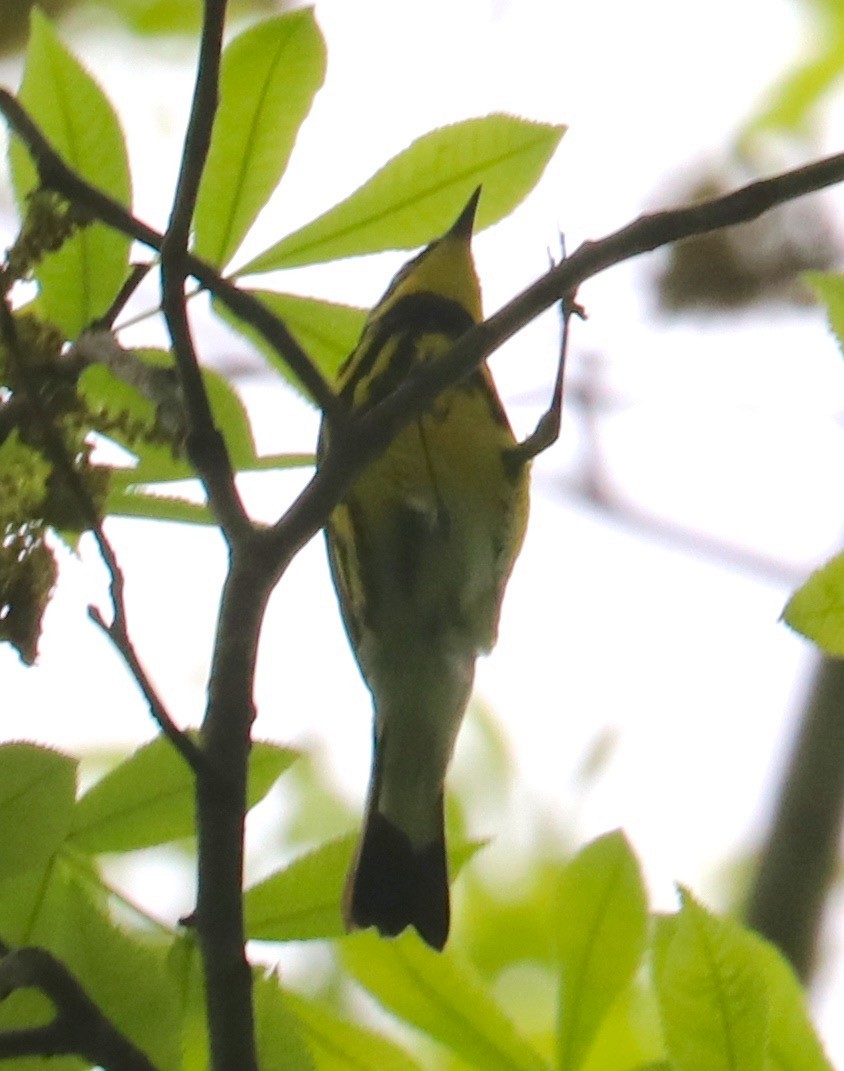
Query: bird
[[420, 551]]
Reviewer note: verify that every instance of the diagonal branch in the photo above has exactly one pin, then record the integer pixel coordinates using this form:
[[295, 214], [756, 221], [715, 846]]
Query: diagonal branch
[[79, 1028], [365, 435], [56, 175]]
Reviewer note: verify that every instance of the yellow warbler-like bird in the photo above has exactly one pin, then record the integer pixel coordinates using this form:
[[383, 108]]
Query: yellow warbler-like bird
[[420, 552]]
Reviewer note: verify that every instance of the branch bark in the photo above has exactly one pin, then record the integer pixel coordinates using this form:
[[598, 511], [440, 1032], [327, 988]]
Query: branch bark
[[79, 1028], [800, 856]]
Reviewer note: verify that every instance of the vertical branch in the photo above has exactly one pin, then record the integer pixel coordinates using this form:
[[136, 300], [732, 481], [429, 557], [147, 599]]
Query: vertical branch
[[221, 812], [799, 859], [206, 447], [221, 785]]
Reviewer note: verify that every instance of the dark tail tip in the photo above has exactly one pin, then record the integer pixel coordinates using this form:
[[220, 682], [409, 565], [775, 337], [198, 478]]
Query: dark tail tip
[[391, 886]]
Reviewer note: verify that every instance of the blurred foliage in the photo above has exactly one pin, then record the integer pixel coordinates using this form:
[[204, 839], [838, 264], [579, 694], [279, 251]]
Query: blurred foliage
[[792, 106], [566, 969], [762, 261], [141, 16], [754, 262], [14, 19]]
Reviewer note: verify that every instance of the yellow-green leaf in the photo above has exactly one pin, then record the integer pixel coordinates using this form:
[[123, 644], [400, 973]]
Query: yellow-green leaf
[[268, 79], [37, 789], [601, 928], [442, 996], [817, 608], [80, 281], [418, 193], [713, 999]]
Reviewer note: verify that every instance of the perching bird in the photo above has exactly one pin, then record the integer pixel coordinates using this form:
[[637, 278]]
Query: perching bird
[[420, 552]]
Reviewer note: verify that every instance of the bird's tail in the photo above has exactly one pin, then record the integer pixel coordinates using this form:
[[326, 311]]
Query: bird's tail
[[393, 884]]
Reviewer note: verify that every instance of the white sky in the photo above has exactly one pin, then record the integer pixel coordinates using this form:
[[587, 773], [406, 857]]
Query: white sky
[[731, 430]]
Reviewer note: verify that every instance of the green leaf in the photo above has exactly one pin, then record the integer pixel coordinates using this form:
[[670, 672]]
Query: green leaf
[[128, 497], [630, 1035], [712, 997], [268, 80], [418, 193], [441, 996], [302, 901], [231, 418], [816, 610], [326, 331], [125, 976], [37, 790], [338, 1045], [184, 966], [149, 798], [279, 1040], [135, 502], [793, 1044], [601, 932], [80, 281], [788, 107]]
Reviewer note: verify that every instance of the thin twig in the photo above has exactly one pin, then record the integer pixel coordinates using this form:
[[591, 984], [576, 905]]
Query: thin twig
[[119, 636], [79, 1027], [117, 631]]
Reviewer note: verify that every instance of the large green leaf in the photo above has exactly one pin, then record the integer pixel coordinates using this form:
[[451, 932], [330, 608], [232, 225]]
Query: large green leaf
[[268, 80], [712, 995], [630, 1035], [302, 901], [126, 976], [80, 281], [443, 997], [601, 932], [338, 1045], [793, 1044], [37, 790], [281, 1046], [149, 798], [418, 193]]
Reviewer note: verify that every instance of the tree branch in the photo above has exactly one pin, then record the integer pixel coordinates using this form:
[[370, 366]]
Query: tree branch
[[206, 447], [366, 434], [221, 808], [799, 859], [78, 1028], [117, 631], [56, 175], [226, 730]]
